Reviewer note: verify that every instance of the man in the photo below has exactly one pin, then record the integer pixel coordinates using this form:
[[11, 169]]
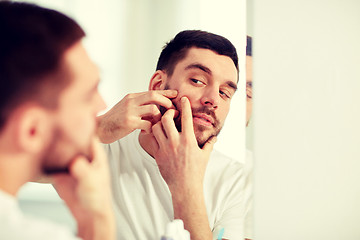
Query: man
[[48, 106], [248, 160], [168, 170], [249, 77]]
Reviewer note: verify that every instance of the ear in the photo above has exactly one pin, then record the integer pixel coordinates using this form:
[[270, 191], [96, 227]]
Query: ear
[[33, 131], [158, 81]]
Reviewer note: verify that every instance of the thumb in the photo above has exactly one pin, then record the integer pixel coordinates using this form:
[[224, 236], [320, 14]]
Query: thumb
[[209, 145], [79, 167]]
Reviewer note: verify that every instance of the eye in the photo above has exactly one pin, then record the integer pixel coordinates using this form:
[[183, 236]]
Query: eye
[[249, 90], [225, 94], [197, 82]]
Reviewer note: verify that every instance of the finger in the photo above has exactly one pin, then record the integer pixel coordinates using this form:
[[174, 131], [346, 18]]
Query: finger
[[155, 145], [209, 145], [159, 134], [145, 125], [94, 151], [79, 167], [150, 110], [156, 118], [169, 125], [186, 116], [159, 97], [170, 93]]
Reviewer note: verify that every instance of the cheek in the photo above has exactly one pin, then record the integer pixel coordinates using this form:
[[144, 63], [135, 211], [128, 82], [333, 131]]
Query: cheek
[[248, 107], [184, 90], [177, 104], [193, 97], [80, 126], [85, 123]]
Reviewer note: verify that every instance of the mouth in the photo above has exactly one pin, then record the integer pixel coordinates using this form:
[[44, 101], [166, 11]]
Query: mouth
[[203, 119]]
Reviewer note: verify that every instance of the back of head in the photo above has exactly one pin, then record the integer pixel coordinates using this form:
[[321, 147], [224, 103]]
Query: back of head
[[248, 46], [177, 48], [33, 41]]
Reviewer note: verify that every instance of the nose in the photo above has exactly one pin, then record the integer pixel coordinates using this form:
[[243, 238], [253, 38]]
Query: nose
[[100, 103], [211, 98]]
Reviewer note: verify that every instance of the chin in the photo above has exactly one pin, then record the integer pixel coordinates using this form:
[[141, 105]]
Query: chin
[[201, 138], [204, 135]]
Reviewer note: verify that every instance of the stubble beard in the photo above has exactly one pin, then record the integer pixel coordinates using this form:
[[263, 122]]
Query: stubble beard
[[55, 155], [199, 130]]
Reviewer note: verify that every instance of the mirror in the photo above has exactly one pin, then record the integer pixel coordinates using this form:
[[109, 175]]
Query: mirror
[[125, 39]]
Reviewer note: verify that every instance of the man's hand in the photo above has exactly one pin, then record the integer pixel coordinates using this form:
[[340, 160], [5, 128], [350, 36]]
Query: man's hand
[[179, 157], [86, 191], [182, 164], [134, 111]]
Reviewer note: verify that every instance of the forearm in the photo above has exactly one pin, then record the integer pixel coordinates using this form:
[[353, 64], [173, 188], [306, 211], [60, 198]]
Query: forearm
[[189, 206], [106, 130]]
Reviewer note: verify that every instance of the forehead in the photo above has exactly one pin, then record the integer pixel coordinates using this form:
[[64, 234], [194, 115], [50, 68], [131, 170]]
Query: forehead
[[221, 66]]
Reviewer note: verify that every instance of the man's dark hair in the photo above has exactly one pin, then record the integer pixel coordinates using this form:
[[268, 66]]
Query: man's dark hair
[[177, 48], [32, 43], [248, 46]]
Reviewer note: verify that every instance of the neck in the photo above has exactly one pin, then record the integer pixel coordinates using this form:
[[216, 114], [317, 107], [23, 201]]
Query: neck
[[148, 143], [14, 172]]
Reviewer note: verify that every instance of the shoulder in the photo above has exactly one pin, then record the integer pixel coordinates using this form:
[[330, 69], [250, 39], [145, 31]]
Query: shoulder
[[221, 162], [224, 186], [224, 171], [127, 143]]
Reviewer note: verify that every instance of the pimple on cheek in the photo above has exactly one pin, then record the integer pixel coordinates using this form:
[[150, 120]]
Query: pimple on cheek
[[176, 102]]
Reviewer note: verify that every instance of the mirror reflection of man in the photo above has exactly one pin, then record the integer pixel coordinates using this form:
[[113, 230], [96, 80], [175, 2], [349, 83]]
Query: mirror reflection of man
[[169, 170], [249, 79], [48, 106], [248, 230]]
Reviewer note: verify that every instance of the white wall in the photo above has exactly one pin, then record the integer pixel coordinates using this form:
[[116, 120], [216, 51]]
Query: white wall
[[306, 119]]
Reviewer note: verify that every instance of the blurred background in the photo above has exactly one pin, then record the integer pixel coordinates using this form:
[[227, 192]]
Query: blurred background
[[125, 38]]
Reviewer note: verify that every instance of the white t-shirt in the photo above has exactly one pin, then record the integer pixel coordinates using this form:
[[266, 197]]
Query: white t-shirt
[[16, 226], [143, 199]]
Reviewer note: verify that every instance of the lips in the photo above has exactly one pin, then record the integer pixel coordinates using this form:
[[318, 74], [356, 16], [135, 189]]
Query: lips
[[203, 119]]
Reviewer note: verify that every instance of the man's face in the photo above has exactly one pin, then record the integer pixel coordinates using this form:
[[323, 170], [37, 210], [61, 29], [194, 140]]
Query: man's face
[[209, 81], [75, 117], [248, 88]]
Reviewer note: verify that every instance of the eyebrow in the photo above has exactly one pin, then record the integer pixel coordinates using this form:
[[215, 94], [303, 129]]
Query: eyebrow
[[199, 66], [232, 85], [208, 71]]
